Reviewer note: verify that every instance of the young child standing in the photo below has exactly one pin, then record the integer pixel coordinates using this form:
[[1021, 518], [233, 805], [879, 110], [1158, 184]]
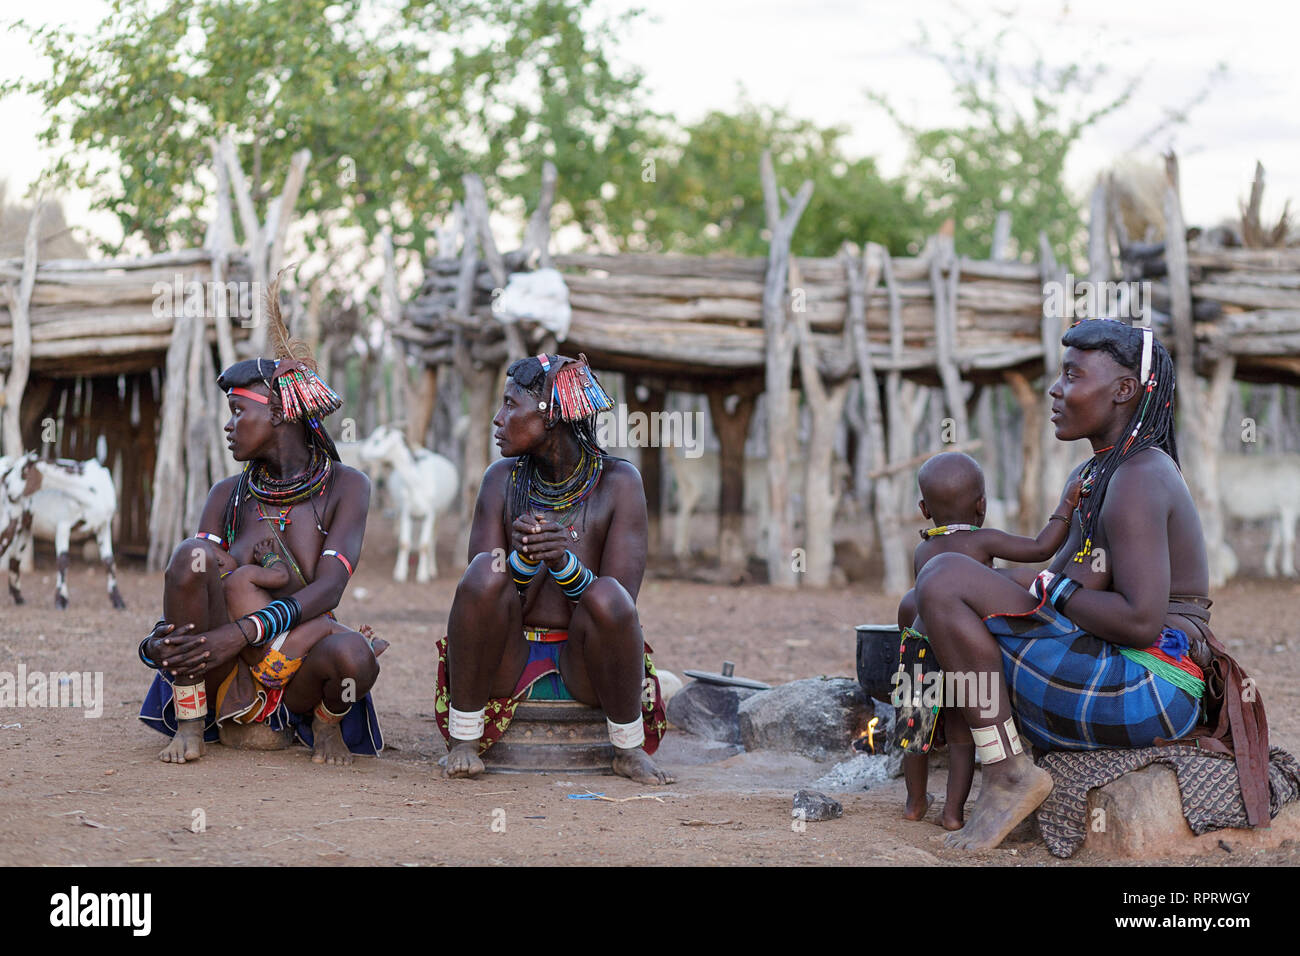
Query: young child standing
[[952, 496]]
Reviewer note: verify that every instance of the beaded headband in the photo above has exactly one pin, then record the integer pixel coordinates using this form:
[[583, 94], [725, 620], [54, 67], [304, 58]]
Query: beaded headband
[[571, 392]]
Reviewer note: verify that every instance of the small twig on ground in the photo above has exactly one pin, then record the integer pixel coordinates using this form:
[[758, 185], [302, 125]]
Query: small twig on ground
[[642, 796], [707, 823]]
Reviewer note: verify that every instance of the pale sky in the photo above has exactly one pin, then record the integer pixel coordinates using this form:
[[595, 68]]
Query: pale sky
[[815, 58]]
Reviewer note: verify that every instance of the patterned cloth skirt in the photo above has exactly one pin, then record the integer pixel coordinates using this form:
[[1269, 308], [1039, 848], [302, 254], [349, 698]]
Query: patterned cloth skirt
[[1071, 690]]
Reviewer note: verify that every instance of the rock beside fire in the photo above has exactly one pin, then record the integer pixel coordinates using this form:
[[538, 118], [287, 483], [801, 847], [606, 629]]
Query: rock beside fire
[[709, 710], [817, 717], [809, 805]]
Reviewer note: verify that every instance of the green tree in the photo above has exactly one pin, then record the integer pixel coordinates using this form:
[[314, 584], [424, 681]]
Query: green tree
[[704, 196], [1008, 151], [394, 101]]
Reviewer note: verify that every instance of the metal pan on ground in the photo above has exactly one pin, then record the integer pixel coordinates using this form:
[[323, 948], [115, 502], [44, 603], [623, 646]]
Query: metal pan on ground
[[727, 678]]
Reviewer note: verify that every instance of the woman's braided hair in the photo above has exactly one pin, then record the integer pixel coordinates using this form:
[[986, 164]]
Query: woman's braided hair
[[1152, 423]]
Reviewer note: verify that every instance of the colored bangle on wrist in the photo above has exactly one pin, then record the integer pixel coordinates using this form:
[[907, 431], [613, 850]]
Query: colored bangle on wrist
[[522, 571], [1061, 590], [144, 658], [574, 577], [1057, 517]]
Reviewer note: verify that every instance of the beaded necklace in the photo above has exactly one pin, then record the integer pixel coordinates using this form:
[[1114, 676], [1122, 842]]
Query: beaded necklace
[[565, 494], [1087, 481], [943, 529], [281, 493]]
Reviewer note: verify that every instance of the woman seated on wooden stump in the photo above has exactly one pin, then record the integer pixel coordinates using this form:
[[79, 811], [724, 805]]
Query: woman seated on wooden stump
[[289, 664], [1096, 653], [547, 607]]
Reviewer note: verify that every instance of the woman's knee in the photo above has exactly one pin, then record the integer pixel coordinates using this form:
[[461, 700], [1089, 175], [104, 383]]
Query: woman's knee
[[486, 578], [192, 562], [347, 654], [608, 604]]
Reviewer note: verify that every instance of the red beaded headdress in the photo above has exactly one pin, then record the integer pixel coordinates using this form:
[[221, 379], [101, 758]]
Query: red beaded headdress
[[571, 392]]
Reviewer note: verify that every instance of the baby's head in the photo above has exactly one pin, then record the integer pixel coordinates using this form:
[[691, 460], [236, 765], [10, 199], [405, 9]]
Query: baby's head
[[952, 489]]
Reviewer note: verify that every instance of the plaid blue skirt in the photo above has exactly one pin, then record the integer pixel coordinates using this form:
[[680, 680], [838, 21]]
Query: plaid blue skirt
[[1073, 691]]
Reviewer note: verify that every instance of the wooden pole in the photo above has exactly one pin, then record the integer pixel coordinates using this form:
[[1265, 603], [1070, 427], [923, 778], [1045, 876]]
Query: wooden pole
[[537, 236], [284, 209], [944, 289], [254, 239], [826, 407], [168, 479], [221, 241], [21, 358], [732, 428], [651, 460], [778, 365], [862, 275], [1099, 262], [1189, 401], [1057, 458], [476, 209], [1031, 431]]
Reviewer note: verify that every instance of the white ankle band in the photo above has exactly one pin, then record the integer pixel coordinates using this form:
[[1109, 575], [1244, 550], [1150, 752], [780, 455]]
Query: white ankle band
[[988, 745], [465, 725], [191, 702], [626, 736], [1013, 737]]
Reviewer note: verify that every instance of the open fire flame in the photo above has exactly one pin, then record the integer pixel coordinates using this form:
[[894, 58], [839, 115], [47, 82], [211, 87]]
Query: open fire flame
[[866, 741]]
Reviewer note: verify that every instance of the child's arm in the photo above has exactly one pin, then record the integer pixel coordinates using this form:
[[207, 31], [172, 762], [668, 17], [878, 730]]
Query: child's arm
[[907, 610], [269, 579], [1014, 547]]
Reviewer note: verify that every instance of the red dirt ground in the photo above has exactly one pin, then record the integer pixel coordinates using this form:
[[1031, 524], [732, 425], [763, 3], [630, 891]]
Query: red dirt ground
[[91, 791]]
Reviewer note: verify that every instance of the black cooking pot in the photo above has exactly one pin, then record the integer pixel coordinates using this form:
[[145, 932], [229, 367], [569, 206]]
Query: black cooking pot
[[878, 659]]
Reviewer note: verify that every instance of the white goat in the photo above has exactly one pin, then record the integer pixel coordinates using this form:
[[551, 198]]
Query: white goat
[[18, 482], [1253, 487], [67, 499], [424, 484]]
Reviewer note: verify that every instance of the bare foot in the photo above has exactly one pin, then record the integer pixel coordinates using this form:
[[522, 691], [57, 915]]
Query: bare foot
[[1006, 797], [186, 745], [377, 644], [954, 818], [463, 760], [328, 744], [635, 764], [914, 809]]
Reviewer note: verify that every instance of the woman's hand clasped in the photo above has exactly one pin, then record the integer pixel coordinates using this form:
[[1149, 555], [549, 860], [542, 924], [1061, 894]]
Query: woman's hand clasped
[[183, 655], [537, 539]]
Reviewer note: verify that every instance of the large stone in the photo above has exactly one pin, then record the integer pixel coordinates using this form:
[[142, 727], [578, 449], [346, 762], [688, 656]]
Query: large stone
[[1140, 816], [809, 805], [709, 710], [818, 717]]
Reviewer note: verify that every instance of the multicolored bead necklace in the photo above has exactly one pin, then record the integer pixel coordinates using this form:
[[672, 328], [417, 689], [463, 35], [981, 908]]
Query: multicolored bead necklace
[[943, 529], [282, 493], [563, 495]]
